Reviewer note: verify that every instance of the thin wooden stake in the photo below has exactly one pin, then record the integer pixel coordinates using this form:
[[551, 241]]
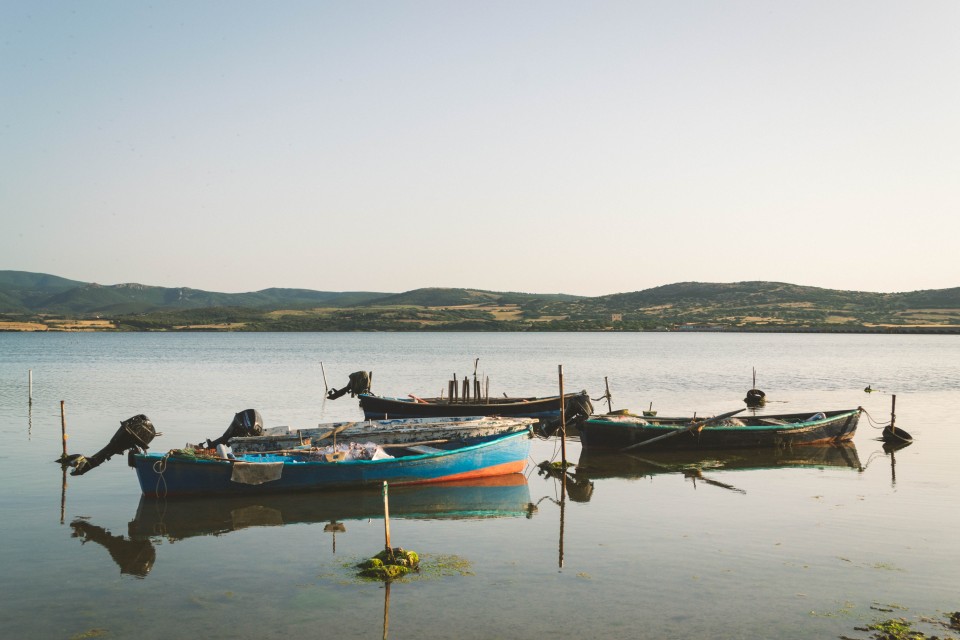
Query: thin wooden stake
[[63, 428], [607, 385], [563, 423], [325, 387], [386, 517]]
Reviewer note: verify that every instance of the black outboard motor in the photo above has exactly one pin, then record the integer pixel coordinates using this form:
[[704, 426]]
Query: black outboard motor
[[245, 424], [134, 433], [359, 383], [577, 408]]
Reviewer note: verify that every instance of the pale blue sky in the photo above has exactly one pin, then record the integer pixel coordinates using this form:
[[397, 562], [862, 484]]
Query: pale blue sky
[[576, 147]]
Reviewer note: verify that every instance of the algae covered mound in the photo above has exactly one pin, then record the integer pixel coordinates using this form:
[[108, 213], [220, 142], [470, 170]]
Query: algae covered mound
[[390, 564]]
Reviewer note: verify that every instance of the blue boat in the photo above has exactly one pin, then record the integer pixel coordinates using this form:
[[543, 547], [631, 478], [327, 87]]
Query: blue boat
[[181, 472]]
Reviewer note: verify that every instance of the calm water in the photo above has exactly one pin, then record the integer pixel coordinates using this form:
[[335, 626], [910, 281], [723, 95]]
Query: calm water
[[809, 549]]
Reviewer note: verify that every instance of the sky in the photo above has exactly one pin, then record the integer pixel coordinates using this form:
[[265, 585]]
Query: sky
[[537, 146]]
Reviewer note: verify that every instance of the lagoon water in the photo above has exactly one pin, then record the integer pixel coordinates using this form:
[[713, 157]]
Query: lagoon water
[[786, 548]]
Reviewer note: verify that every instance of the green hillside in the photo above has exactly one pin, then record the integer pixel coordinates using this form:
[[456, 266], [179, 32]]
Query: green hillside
[[30, 301]]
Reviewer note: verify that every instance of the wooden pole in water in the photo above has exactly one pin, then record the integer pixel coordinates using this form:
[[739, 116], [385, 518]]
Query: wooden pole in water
[[386, 517], [63, 428], [563, 423], [30, 385], [607, 385], [325, 387], [487, 391], [893, 415]]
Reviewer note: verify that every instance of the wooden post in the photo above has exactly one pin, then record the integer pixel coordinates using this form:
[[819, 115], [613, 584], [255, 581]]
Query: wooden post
[[466, 390], [325, 387], [63, 428], [487, 393], [607, 385], [386, 517], [563, 423], [456, 390], [30, 385], [893, 414]]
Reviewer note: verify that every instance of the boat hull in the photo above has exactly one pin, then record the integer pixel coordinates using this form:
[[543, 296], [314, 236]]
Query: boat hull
[[396, 431], [618, 432], [169, 475], [379, 407]]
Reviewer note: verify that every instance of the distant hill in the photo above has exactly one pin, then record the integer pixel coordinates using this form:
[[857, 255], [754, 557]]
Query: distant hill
[[24, 292], [35, 301], [439, 297]]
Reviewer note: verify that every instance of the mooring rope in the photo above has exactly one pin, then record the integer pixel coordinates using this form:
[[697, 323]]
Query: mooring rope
[[159, 467], [873, 423]]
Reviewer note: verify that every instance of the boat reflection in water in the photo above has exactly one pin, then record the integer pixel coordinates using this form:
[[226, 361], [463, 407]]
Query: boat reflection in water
[[596, 465], [177, 519]]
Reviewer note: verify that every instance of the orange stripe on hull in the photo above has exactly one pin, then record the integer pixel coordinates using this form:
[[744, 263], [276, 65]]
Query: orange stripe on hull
[[486, 472]]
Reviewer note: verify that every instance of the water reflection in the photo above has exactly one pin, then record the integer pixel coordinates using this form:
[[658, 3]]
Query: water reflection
[[134, 557], [172, 520], [891, 448], [594, 465]]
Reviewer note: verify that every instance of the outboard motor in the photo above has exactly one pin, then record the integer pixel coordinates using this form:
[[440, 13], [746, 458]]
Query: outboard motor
[[359, 383], [245, 424], [578, 407], [135, 433]]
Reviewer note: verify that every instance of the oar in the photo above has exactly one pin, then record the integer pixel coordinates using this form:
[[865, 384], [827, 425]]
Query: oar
[[335, 431], [694, 425]]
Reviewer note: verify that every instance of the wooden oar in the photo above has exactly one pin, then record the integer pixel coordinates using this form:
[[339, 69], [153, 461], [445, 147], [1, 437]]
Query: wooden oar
[[334, 432], [694, 425]]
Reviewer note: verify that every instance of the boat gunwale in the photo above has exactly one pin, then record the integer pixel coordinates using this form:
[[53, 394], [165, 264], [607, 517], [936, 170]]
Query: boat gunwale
[[290, 460], [626, 423]]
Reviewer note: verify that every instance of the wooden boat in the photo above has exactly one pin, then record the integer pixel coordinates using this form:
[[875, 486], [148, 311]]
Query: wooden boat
[[545, 408], [181, 473], [395, 431], [781, 430]]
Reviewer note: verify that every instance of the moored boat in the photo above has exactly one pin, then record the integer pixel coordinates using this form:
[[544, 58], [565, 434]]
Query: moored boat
[[781, 430], [396, 431], [542, 408], [181, 472]]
